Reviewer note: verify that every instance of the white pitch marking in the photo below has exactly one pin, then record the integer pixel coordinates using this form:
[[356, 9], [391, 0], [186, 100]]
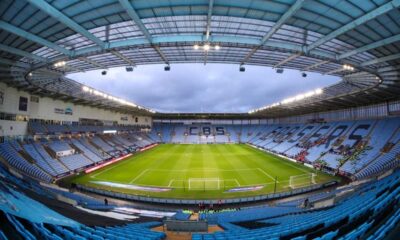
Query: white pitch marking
[[259, 169], [170, 182], [237, 182], [138, 176], [108, 169], [288, 164]]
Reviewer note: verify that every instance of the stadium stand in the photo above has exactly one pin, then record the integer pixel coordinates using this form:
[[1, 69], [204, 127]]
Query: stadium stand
[[345, 147], [53, 127], [9, 153], [359, 211]]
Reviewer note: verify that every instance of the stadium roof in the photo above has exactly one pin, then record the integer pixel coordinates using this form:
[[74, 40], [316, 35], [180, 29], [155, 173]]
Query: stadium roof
[[41, 41]]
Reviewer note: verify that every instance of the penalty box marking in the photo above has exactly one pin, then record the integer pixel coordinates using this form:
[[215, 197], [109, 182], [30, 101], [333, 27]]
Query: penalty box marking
[[212, 169], [231, 179]]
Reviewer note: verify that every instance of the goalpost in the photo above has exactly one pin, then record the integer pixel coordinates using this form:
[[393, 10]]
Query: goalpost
[[195, 184], [302, 180]]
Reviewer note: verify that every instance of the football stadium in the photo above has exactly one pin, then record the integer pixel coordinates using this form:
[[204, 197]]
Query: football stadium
[[80, 161]]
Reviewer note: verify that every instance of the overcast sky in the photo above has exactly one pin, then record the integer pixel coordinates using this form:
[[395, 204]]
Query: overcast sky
[[199, 88]]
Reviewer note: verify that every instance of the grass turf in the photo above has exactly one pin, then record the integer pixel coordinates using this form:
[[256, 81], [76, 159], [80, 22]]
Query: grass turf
[[201, 172]]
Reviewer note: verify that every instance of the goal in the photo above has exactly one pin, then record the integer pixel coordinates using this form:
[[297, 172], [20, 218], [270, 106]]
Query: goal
[[196, 184], [302, 180]]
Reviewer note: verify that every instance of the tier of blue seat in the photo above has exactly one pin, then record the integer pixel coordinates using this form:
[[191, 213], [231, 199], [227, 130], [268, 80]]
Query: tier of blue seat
[[9, 153], [389, 225], [43, 166], [99, 142], [30, 149], [247, 214], [58, 146], [86, 151], [84, 141], [75, 161], [33, 230], [56, 165], [18, 204], [42, 128], [33, 220], [381, 163], [370, 199]]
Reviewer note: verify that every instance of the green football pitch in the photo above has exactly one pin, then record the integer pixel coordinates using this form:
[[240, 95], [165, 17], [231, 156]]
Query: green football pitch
[[206, 171]]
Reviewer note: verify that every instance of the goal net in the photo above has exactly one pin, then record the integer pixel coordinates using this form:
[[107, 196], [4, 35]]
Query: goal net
[[302, 180], [204, 184]]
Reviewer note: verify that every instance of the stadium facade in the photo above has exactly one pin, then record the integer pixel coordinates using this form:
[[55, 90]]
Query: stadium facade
[[53, 129]]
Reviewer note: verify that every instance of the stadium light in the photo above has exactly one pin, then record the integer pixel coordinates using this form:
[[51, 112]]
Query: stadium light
[[59, 64], [111, 98], [348, 67], [85, 89], [318, 91], [279, 70], [296, 98], [242, 69], [167, 68], [207, 47], [104, 72], [129, 69], [304, 74]]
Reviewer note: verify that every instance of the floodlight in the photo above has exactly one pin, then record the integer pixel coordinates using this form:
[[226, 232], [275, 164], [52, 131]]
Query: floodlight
[[103, 72], [242, 69], [129, 69], [206, 47], [318, 91], [85, 89], [167, 68], [304, 74], [279, 70], [196, 47], [217, 47]]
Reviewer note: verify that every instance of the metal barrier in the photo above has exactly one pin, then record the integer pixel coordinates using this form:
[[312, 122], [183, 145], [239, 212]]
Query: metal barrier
[[186, 226], [205, 201]]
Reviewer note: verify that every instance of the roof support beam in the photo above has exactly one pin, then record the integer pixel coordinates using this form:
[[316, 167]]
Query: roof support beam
[[55, 13], [355, 23], [210, 9], [208, 27], [185, 39], [382, 59], [135, 18], [22, 53], [74, 68], [22, 33], [288, 59], [94, 63], [365, 48], [157, 48], [288, 14], [121, 56], [315, 65], [341, 69], [9, 62]]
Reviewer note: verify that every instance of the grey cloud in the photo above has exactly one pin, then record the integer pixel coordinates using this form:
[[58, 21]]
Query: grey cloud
[[196, 88]]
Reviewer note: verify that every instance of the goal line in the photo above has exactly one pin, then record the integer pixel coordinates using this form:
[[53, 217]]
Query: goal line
[[204, 184], [302, 180]]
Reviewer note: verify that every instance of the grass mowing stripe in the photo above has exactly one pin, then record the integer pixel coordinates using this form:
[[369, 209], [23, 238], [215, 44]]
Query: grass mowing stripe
[[173, 164]]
